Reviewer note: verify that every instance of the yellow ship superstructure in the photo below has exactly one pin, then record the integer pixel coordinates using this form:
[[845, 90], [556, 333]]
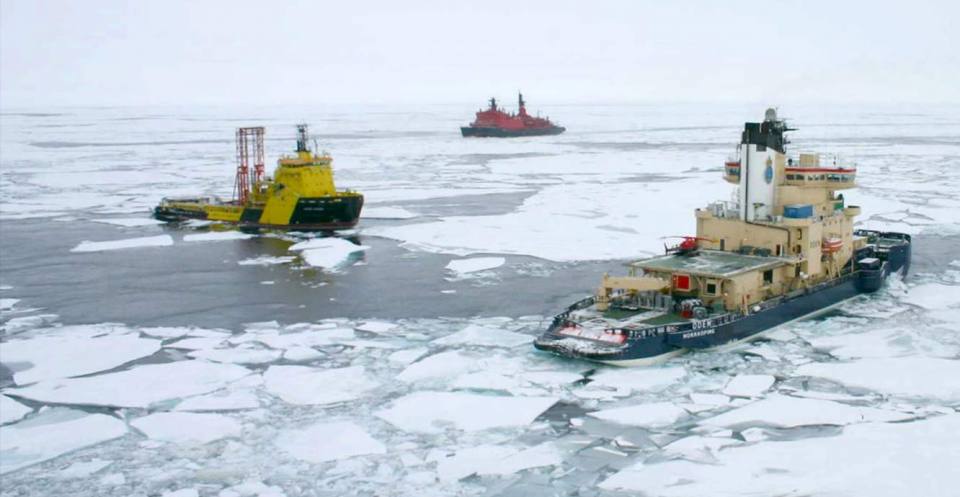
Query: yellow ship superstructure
[[300, 195]]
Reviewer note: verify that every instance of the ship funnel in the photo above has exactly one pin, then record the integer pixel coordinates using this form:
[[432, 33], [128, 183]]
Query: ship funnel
[[770, 115]]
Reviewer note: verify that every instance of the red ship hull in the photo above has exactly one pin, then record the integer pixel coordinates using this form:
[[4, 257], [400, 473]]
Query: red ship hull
[[495, 122], [493, 132]]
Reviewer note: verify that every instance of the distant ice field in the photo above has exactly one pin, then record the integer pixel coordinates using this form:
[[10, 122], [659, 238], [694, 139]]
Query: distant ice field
[[396, 359]]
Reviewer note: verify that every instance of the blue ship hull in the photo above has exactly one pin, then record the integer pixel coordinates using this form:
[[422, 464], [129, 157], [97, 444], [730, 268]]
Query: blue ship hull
[[653, 345]]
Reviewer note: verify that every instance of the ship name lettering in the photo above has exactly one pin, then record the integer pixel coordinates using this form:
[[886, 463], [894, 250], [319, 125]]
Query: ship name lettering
[[695, 334]]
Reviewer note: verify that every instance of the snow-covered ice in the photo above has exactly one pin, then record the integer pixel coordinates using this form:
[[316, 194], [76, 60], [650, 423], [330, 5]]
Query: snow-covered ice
[[748, 385], [496, 460], [902, 376], [128, 222], [140, 386], [52, 433], [304, 385], [464, 411], [654, 414], [227, 400], [187, 427], [328, 441], [487, 337], [11, 410], [875, 459], [73, 353], [387, 213], [127, 243], [464, 266], [785, 411], [266, 260], [84, 469], [328, 253], [217, 236]]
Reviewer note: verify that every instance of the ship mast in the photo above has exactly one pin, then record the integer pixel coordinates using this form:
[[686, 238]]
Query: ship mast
[[249, 149]]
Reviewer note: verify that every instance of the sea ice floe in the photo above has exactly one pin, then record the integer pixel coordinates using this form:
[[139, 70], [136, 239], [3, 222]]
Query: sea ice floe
[[637, 379], [73, 353], [328, 253], [430, 412], [443, 365], [495, 460], [197, 343], [128, 222], [487, 337], [144, 241], [875, 459], [217, 236], [551, 224], [52, 433], [227, 400], [655, 414], [304, 385], [266, 260], [83, 469], [748, 385], [140, 386], [376, 326], [238, 355], [252, 488], [465, 266], [328, 441], [187, 427], [903, 376], [387, 213], [406, 356], [183, 492], [933, 296], [301, 354], [11, 410], [788, 412]]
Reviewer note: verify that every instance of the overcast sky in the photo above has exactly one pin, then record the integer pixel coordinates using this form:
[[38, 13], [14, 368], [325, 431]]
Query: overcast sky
[[265, 52]]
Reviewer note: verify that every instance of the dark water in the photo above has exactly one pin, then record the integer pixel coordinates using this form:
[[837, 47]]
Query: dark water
[[201, 284]]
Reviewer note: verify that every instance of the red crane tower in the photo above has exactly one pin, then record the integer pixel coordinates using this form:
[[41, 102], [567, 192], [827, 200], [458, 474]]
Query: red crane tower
[[249, 148]]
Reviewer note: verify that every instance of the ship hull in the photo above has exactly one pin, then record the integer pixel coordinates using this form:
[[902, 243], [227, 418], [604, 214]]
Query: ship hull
[[308, 214], [493, 132], [664, 342]]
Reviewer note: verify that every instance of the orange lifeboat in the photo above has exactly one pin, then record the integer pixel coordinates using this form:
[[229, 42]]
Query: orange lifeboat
[[831, 245]]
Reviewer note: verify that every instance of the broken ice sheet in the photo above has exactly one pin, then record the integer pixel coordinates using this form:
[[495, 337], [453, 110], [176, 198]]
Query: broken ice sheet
[[875, 459], [327, 253], [146, 241], [328, 441], [430, 412], [488, 337], [496, 460], [464, 266], [748, 385], [217, 236], [187, 428], [637, 379], [11, 410], [140, 386], [227, 400], [52, 433], [904, 376], [788, 412], [74, 351], [304, 385], [654, 414]]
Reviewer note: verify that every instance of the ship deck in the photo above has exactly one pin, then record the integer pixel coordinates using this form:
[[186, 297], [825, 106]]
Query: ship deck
[[710, 263]]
